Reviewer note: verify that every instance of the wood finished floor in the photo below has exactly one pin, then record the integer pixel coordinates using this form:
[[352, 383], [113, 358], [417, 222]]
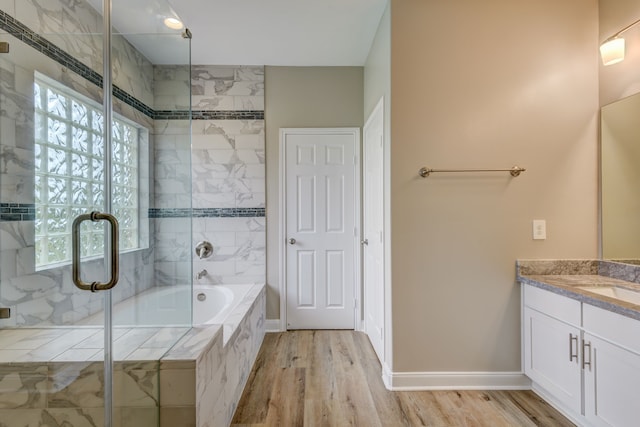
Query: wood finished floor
[[333, 378]]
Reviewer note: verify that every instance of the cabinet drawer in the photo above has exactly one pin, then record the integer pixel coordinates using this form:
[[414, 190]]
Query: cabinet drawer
[[560, 307], [613, 327]]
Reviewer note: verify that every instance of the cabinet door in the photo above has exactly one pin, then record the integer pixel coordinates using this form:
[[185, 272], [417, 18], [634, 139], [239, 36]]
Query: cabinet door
[[612, 384], [551, 358]]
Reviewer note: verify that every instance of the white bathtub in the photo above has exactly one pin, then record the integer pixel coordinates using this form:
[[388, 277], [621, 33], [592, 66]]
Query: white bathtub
[[218, 301], [171, 306]]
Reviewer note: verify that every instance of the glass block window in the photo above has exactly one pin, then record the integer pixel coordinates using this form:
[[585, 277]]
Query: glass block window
[[69, 174]]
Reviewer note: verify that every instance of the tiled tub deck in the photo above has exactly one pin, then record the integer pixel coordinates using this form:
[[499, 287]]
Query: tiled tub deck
[[55, 376]]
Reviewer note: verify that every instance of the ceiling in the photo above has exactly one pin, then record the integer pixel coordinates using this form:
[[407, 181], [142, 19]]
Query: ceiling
[[281, 32], [253, 32]]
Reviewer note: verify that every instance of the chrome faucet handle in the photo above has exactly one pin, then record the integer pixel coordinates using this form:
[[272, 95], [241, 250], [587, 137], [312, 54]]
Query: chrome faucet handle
[[204, 249]]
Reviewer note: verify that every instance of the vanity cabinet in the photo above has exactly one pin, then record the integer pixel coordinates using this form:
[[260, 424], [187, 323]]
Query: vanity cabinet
[[611, 368], [552, 346], [583, 359]]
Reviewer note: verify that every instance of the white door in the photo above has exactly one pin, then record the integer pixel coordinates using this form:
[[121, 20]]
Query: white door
[[321, 219], [373, 239]]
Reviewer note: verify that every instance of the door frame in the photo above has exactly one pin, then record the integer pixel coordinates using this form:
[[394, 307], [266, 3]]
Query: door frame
[[282, 217], [377, 114]]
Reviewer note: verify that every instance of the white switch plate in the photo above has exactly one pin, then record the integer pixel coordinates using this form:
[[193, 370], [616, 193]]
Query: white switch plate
[[539, 229]]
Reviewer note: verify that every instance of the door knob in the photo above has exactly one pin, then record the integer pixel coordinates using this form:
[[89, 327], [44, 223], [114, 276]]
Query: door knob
[[292, 241], [364, 242]]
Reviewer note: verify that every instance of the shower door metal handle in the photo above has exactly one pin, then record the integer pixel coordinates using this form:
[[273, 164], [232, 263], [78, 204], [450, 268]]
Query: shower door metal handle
[[115, 264]]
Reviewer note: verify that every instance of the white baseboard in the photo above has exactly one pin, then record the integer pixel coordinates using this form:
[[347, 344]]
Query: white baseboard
[[272, 325], [408, 381]]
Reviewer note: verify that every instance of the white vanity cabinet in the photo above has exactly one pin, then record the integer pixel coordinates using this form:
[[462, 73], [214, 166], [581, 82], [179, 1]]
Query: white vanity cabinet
[[552, 346], [611, 368], [585, 360]]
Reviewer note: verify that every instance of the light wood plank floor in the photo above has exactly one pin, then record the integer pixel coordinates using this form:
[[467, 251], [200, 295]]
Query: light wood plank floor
[[332, 378]]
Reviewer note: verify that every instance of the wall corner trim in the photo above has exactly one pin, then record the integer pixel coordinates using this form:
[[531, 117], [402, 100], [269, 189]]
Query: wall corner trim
[[415, 381]]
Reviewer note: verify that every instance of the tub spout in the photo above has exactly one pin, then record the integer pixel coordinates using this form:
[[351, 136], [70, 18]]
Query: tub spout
[[201, 274]]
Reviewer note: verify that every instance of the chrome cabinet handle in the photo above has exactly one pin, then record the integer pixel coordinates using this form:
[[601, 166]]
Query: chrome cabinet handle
[[573, 339], [364, 242], [584, 352], [292, 241], [115, 262]]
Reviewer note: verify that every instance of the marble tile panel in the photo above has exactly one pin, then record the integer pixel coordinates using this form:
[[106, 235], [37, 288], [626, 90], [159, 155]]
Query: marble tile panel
[[178, 387], [12, 336], [164, 338], [147, 354], [191, 345], [130, 341], [250, 200], [23, 385], [75, 385], [250, 141], [61, 344], [248, 103], [179, 128], [128, 417], [204, 73], [34, 341], [217, 200], [16, 235], [71, 417], [12, 356], [249, 73], [247, 88], [212, 102], [78, 355], [95, 338], [136, 384], [178, 417], [8, 6]]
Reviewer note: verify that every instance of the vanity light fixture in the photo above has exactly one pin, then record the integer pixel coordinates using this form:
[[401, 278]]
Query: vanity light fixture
[[173, 23], [612, 49]]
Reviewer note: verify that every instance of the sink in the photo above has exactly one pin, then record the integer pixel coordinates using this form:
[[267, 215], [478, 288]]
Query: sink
[[616, 292]]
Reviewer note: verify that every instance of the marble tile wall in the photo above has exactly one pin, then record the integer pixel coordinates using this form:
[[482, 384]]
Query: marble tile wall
[[47, 297], [228, 171]]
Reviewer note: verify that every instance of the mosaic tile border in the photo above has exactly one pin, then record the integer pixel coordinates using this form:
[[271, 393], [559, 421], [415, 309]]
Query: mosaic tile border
[[207, 213], [20, 31], [27, 212], [17, 212]]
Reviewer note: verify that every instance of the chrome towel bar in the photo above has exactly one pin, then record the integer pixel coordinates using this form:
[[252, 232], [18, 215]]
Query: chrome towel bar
[[514, 171]]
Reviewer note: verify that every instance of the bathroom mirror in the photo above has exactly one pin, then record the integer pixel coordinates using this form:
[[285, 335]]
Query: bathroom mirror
[[620, 175]]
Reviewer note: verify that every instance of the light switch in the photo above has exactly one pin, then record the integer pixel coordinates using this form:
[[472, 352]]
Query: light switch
[[539, 229]]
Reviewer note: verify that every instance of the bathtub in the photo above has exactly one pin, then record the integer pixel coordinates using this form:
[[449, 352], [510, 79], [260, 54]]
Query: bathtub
[[171, 306], [213, 304]]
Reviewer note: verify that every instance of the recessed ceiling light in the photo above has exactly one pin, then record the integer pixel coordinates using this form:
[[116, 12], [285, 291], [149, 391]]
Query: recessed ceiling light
[[173, 23]]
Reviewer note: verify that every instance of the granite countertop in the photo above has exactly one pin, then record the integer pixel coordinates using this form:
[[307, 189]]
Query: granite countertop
[[567, 279]]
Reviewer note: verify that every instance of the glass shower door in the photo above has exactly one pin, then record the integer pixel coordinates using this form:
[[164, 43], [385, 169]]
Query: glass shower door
[[54, 168], [91, 358]]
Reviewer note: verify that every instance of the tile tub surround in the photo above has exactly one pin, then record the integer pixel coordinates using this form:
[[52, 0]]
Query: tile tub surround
[[198, 382], [217, 369], [563, 277]]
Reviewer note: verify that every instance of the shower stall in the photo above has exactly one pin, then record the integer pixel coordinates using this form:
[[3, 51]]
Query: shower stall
[[95, 199]]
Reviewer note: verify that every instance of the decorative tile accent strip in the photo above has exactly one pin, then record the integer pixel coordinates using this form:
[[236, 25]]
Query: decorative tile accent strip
[[17, 29], [229, 212], [227, 115], [17, 212], [207, 213], [170, 213]]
